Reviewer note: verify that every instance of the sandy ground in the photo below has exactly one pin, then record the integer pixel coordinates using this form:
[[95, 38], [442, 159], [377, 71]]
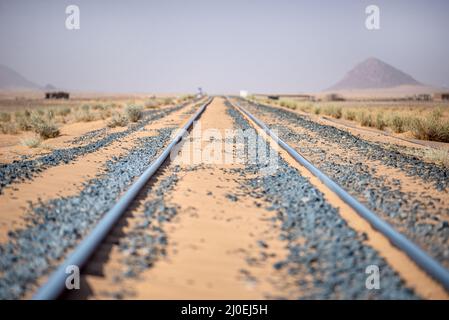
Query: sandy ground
[[212, 237], [409, 271], [375, 135], [370, 134], [12, 149], [68, 179], [388, 174], [209, 240]]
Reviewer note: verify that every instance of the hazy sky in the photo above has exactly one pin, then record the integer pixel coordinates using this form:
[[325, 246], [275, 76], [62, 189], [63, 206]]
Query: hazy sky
[[223, 46]]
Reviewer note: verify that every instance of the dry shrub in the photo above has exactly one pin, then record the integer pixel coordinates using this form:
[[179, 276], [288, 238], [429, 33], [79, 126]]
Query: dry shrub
[[288, 104], [431, 128], [45, 128], [366, 120], [333, 111], [84, 115], [167, 101], [152, 104], [5, 117], [24, 122], [306, 107], [105, 113], [438, 156], [32, 142], [350, 115], [134, 113], [9, 128], [380, 122], [63, 111], [117, 120], [397, 123], [98, 107]]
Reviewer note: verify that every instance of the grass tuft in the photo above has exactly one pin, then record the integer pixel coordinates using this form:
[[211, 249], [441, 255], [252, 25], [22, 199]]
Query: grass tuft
[[350, 115], [333, 111], [152, 104], [134, 113], [5, 117], [117, 120], [431, 128], [380, 122], [33, 142], [9, 128], [44, 128]]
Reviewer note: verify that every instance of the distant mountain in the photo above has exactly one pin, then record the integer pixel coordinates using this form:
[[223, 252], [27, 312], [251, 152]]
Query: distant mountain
[[374, 74], [10, 79], [50, 87]]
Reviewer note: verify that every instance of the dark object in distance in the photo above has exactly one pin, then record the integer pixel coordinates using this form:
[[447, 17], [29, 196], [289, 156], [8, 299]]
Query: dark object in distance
[[441, 96], [57, 95]]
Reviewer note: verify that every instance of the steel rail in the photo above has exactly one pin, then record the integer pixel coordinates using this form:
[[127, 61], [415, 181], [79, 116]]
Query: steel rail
[[421, 258], [80, 255]]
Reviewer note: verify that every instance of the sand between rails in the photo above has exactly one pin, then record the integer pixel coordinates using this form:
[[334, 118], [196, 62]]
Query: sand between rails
[[209, 240], [211, 236]]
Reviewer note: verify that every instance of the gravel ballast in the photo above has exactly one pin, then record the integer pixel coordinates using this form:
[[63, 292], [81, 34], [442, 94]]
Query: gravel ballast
[[58, 225], [419, 216], [26, 168], [410, 165], [327, 258]]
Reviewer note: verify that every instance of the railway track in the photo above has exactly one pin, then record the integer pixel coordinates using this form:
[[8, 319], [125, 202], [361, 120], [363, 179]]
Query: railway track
[[81, 254], [421, 258]]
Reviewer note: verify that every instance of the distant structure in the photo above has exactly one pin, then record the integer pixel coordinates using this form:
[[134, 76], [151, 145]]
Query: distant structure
[[440, 96], [243, 93], [333, 97], [57, 95], [200, 92], [299, 97], [423, 97]]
